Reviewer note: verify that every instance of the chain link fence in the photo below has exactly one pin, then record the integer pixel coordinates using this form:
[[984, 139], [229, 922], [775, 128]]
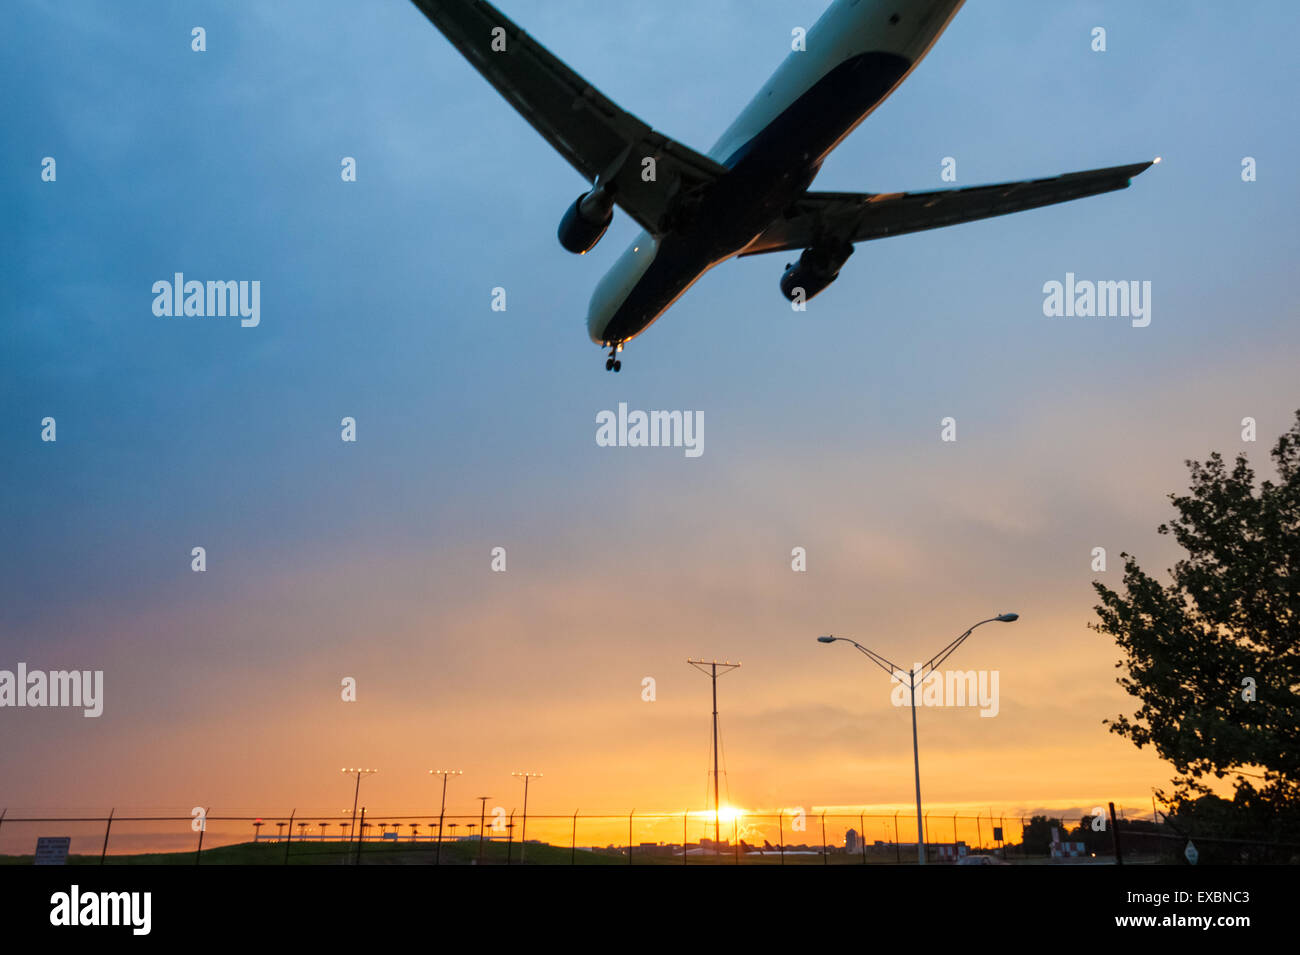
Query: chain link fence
[[498, 836]]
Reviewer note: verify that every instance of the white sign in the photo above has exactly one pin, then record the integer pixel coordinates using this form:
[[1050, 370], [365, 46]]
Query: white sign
[[1191, 853], [52, 850]]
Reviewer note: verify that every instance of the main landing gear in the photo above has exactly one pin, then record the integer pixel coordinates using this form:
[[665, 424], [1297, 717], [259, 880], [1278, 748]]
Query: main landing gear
[[612, 363]]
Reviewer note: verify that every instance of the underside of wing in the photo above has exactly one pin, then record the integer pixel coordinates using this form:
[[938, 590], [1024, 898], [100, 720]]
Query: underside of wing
[[598, 138], [838, 217]]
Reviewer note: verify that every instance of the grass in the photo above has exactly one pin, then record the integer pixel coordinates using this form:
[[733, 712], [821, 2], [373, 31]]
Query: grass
[[462, 853], [334, 853]]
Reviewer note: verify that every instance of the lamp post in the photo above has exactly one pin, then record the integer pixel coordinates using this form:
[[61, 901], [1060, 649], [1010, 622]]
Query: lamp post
[[931, 665], [523, 836], [444, 773], [482, 817], [356, 792]]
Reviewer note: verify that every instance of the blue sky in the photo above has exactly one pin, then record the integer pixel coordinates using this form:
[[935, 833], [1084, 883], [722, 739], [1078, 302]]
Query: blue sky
[[476, 428]]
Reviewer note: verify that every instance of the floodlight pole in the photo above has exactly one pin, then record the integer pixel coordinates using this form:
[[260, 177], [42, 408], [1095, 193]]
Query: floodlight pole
[[355, 793], [524, 834], [444, 773]]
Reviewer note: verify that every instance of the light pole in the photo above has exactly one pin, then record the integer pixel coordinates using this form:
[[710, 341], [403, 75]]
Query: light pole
[[356, 792], [444, 773], [932, 664], [482, 816], [523, 836]]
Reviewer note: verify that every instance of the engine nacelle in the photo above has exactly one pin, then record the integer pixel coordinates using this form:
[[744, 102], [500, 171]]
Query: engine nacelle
[[817, 268], [586, 221]]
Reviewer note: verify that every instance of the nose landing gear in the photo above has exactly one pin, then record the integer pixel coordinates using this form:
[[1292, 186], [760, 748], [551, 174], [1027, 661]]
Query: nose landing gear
[[612, 363]]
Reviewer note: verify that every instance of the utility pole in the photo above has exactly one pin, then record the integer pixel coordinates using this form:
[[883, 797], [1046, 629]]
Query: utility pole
[[712, 672]]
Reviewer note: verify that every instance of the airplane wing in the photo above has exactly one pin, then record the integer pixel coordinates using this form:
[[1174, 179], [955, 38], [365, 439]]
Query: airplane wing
[[599, 139], [858, 217]]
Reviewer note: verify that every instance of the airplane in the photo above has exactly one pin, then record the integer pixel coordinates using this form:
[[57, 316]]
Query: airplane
[[750, 194]]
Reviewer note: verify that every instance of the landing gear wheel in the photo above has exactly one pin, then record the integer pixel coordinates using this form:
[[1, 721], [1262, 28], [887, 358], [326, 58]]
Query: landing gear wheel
[[612, 363], [618, 366], [609, 364]]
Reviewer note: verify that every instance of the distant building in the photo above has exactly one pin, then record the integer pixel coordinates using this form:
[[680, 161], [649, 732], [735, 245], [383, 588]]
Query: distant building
[[851, 841], [656, 849], [940, 851]]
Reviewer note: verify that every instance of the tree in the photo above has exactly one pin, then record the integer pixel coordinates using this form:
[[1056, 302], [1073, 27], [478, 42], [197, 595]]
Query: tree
[[1214, 657], [1036, 838]]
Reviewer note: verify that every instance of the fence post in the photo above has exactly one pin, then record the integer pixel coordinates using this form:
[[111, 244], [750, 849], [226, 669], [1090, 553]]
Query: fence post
[[979, 830], [629, 836], [106, 830], [898, 852], [573, 845], [735, 838], [289, 839], [1119, 856], [824, 859], [862, 836], [361, 834], [510, 836], [780, 826], [199, 853]]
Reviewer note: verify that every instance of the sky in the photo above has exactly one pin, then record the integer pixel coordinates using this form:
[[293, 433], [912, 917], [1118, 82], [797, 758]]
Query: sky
[[371, 560]]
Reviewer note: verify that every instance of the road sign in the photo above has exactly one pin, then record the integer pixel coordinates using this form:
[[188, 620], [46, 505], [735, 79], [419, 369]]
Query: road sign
[[1191, 853], [52, 850], [997, 833]]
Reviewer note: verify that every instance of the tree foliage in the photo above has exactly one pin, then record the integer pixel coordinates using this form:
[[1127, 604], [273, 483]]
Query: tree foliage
[[1037, 834], [1228, 621]]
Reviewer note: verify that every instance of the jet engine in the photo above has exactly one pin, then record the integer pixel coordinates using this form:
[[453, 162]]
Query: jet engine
[[586, 221], [817, 268]]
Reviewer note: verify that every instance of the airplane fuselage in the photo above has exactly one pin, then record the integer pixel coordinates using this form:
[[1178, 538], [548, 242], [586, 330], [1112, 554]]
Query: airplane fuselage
[[855, 56]]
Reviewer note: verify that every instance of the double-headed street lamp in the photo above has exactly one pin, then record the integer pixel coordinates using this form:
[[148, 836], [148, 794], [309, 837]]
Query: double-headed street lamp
[[444, 773], [914, 676]]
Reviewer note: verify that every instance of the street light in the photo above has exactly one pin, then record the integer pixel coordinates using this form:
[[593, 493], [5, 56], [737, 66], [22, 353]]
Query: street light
[[932, 664], [444, 773], [359, 773], [524, 835], [482, 816]]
